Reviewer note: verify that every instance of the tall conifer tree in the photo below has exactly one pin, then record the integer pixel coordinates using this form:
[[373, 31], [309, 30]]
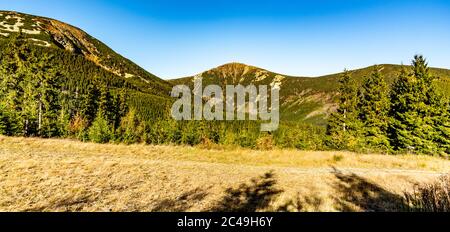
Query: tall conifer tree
[[417, 112], [13, 72], [343, 126], [373, 108]]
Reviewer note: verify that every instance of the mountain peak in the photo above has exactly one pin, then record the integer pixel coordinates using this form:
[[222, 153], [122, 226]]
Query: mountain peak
[[51, 33], [47, 32], [234, 72], [235, 67]]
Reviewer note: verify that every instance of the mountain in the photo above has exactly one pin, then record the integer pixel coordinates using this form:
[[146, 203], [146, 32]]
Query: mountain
[[302, 99], [88, 79], [52, 34], [82, 58]]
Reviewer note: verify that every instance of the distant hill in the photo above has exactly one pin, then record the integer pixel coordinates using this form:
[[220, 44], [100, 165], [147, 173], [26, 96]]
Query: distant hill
[[306, 99]]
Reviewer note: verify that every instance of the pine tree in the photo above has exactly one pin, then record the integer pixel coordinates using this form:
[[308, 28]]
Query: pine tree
[[373, 106], [63, 123], [342, 126], [106, 104], [4, 121], [418, 119], [120, 107], [29, 110], [89, 102], [442, 126], [48, 88], [12, 71], [131, 129]]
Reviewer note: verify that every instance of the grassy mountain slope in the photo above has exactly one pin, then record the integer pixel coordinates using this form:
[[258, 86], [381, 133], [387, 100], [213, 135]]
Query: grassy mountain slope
[[307, 99]]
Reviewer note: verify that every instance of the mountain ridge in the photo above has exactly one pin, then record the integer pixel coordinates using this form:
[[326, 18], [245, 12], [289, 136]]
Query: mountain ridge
[[244, 65], [308, 99]]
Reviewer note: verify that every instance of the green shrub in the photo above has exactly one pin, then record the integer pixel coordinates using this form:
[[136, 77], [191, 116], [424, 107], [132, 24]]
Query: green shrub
[[338, 158], [78, 127], [100, 131], [131, 129]]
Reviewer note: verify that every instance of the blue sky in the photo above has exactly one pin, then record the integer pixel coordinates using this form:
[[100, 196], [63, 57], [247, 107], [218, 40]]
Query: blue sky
[[302, 38]]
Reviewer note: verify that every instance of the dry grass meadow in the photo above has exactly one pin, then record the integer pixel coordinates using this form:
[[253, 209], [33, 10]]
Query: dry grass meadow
[[65, 175]]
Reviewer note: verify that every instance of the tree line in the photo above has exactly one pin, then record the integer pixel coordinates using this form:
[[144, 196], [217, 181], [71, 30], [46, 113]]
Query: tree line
[[38, 99], [409, 116]]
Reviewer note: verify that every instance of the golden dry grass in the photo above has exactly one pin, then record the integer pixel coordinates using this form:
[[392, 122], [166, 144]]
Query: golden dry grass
[[65, 175]]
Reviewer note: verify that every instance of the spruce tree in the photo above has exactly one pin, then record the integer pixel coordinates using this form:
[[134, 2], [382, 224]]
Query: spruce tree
[[373, 106], [131, 129], [29, 111], [417, 113], [12, 72], [48, 88], [89, 102], [120, 107], [4, 121], [343, 127], [106, 104], [441, 124]]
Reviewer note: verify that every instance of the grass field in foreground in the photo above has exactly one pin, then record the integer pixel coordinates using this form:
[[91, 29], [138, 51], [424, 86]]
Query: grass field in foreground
[[65, 175]]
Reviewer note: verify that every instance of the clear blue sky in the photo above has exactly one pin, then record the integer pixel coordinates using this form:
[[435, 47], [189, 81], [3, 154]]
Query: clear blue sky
[[303, 38]]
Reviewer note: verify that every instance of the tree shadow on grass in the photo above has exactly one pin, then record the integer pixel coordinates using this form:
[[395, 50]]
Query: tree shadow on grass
[[182, 203], [302, 204], [251, 197], [357, 192]]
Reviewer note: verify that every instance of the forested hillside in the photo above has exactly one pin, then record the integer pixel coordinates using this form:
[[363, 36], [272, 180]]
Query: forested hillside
[[49, 33]]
